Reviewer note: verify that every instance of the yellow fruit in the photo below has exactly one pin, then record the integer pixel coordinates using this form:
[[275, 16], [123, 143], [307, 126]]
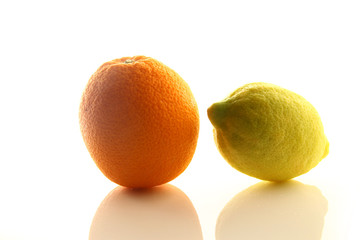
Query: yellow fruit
[[268, 132]]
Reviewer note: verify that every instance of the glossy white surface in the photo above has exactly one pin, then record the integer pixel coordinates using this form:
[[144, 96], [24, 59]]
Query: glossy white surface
[[51, 189]]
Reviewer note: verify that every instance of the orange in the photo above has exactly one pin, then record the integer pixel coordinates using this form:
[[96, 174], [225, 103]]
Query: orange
[[139, 121]]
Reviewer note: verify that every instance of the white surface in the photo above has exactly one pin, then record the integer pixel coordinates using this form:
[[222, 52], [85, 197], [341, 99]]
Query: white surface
[[51, 189]]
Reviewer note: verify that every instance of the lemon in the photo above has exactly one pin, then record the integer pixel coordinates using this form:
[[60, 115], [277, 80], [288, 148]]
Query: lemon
[[268, 132]]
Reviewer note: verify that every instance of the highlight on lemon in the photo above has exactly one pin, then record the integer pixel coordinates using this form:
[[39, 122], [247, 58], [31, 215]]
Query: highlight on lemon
[[268, 132], [139, 121]]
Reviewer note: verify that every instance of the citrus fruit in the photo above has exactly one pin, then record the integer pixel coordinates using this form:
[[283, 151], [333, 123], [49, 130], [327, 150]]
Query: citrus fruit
[[139, 121], [268, 132]]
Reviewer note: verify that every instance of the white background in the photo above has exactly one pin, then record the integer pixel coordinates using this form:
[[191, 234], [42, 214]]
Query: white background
[[49, 186]]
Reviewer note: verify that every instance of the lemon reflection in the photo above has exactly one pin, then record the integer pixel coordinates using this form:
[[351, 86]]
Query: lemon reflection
[[160, 213], [289, 210]]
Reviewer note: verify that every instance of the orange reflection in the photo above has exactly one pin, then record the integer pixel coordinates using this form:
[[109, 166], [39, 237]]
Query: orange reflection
[[160, 213]]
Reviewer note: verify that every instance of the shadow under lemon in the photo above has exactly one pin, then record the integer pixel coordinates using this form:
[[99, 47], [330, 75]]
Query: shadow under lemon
[[279, 211], [160, 213]]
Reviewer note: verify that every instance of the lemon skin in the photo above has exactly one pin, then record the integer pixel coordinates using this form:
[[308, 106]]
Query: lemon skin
[[268, 132]]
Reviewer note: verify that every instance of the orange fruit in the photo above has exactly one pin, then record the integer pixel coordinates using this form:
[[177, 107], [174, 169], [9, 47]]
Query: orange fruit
[[139, 121]]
